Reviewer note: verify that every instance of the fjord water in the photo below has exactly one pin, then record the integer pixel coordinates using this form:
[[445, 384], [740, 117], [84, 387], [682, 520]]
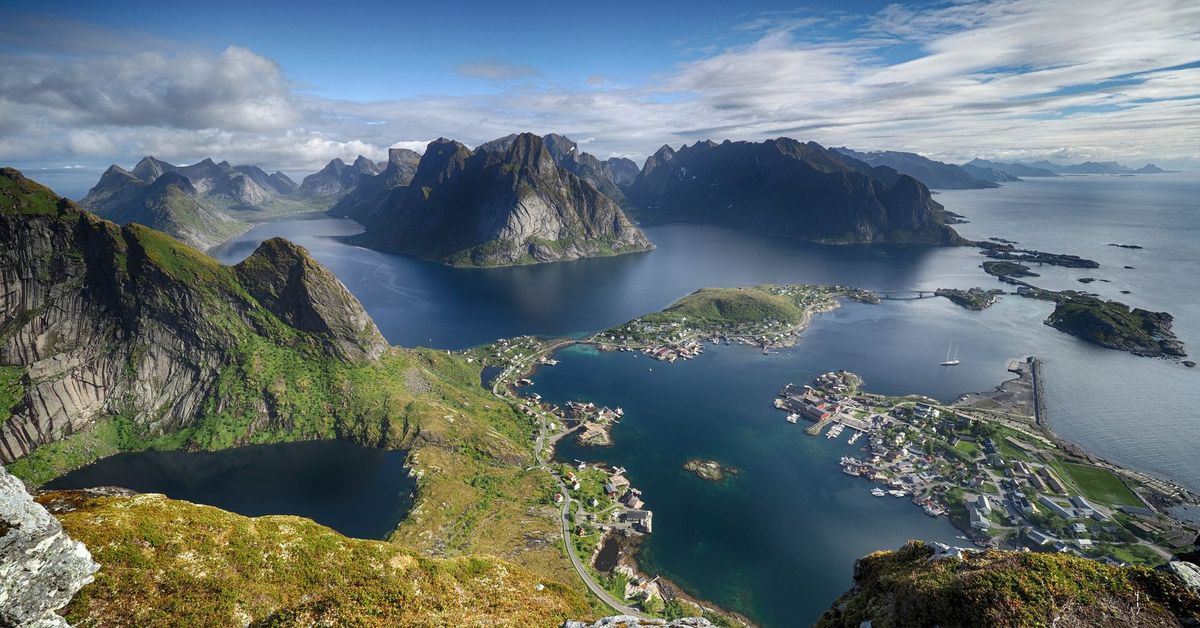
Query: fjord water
[[1138, 412], [358, 491], [776, 542]]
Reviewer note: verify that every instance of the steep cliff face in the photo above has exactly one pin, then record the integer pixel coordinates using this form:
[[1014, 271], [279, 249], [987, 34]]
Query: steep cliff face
[[41, 568], [111, 321], [372, 194], [293, 286], [504, 204], [784, 187], [916, 586]]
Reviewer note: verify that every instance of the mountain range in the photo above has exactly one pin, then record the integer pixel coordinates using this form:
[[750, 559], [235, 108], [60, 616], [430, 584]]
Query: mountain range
[[202, 204], [787, 188], [934, 174], [1045, 168], [507, 202]]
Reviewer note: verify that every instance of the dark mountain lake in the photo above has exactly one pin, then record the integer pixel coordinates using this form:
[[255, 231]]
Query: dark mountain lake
[[358, 491]]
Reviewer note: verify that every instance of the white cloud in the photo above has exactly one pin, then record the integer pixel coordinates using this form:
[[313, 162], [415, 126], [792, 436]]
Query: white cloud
[[1003, 78]]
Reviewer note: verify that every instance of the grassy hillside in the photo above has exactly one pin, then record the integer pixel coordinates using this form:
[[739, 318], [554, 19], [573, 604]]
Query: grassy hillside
[[172, 563], [476, 494], [994, 588], [730, 306]]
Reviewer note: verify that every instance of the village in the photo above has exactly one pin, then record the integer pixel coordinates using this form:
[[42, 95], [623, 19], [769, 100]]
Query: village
[[1002, 484], [766, 317]]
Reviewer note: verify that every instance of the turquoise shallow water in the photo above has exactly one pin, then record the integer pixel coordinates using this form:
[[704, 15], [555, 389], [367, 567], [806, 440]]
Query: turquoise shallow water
[[778, 540]]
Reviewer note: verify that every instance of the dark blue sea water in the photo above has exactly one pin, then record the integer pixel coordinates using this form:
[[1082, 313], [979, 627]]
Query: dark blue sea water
[[358, 491], [779, 540], [776, 542], [1135, 411]]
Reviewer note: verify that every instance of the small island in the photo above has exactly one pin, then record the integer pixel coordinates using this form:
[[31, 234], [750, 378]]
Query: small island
[[1006, 271], [710, 470], [972, 299], [1117, 326]]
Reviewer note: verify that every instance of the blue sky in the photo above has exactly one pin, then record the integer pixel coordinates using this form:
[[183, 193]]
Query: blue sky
[[87, 84]]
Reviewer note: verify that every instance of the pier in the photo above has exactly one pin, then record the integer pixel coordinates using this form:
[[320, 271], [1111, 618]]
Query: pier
[[1039, 400]]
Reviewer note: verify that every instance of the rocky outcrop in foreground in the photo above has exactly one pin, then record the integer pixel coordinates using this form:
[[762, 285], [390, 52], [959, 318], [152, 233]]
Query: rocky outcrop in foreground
[[918, 586], [172, 563], [41, 567]]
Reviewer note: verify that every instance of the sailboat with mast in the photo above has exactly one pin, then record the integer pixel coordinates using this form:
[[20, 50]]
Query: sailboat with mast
[[951, 361]]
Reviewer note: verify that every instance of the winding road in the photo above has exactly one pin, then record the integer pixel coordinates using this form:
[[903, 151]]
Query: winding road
[[565, 514]]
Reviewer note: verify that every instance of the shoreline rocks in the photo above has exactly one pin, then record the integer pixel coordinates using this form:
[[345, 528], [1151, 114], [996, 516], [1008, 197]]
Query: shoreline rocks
[[710, 470]]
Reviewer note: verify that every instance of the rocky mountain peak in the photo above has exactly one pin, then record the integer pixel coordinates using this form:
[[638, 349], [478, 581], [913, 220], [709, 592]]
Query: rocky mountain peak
[[362, 165], [660, 157], [285, 279], [560, 146], [149, 168], [529, 151], [174, 179]]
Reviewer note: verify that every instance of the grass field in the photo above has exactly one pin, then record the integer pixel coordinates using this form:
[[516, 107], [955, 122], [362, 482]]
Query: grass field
[[968, 447], [1097, 484]]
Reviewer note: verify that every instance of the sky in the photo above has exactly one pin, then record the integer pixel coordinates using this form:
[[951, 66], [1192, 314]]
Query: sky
[[86, 84]]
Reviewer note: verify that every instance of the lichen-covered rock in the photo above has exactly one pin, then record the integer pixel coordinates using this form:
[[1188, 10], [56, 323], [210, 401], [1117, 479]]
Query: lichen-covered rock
[[1189, 573], [909, 587], [41, 567], [629, 621]]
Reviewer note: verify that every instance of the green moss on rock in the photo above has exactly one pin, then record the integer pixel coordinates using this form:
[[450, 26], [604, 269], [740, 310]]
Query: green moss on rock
[[908, 587], [170, 563]]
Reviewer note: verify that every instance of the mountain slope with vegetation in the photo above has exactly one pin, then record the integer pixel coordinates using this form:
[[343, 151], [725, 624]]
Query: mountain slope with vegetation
[[913, 587], [123, 339], [170, 563]]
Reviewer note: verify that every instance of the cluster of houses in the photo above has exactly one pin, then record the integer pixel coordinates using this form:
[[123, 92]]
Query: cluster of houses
[[685, 350]]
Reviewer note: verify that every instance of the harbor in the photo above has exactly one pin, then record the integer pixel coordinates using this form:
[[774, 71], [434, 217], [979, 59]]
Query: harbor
[[997, 476]]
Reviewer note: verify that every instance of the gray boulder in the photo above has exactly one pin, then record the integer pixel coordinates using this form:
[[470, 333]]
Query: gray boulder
[[41, 567]]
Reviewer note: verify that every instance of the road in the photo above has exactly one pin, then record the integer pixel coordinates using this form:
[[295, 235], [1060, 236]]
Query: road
[[564, 516]]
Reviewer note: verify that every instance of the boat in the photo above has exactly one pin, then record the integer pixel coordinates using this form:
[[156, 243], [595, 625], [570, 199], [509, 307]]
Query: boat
[[793, 417], [878, 492], [951, 361]]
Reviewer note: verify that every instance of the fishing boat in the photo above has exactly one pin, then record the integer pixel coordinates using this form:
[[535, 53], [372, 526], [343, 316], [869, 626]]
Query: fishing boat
[[951, 361]]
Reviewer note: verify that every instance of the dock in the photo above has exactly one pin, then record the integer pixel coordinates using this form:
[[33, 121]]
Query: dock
[[1039, 399]]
